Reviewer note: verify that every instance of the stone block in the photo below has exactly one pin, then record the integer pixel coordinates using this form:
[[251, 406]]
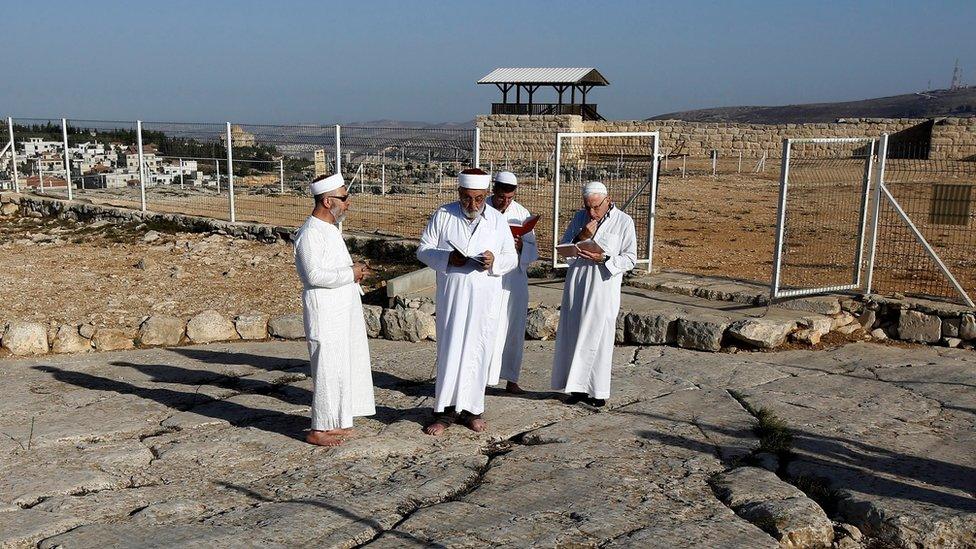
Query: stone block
[[112, 339], [209, 326], [68, 340], [919, 327], [162, 330], [542, 323], [702, 333], [950, 327], [25, 338], [824, 305], [650, 328], [288, 326], [252, 325], [764, 333], [372, 315], [967, 327], [400, 324]]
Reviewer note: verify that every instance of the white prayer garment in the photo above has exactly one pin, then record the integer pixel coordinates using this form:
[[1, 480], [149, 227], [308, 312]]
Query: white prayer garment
[[506, 361], [468, 301], [334, 327], [591, 301]]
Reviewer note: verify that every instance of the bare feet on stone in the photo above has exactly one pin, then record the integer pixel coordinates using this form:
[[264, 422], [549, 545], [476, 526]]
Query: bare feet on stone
[[513, 388], [477, 425], [435, 429], [325, 438]]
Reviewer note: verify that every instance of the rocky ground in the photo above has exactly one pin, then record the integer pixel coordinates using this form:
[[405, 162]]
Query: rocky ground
[[114, 275], [862, 445]]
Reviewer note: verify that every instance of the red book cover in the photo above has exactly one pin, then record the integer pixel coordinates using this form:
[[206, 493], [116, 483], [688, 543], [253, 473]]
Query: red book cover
[[525, 228]]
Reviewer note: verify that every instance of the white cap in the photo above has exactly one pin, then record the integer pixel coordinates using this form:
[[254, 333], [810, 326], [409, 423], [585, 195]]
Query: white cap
[[594, 187], [473, 181], [505, 178], [327, 184]]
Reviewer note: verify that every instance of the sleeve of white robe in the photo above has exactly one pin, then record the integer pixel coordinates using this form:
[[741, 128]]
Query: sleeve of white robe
[[571, 231], [627, 259], [427, 252], [313, 266], [506, 258]]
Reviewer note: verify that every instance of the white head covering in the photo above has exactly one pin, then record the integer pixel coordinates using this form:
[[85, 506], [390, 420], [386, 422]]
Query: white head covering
[[330, 183], [594, 187], [505, 178], [473, 181]]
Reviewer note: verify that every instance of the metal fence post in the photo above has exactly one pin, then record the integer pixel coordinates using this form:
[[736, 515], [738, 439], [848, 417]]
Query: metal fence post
[[652, 209], [281, 173], [477, 147], [780, 221], [882, 159], [181, 174], [739, 168], [862, 228], [230, 175], [13, 153], [142, 168], [217, 166], [555, 200], [338, 163], [67, 156]]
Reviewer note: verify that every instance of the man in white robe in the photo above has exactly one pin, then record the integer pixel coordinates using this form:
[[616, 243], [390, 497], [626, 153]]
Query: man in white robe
[[470, 247], [591, 297], [506, 360], [333, 314]]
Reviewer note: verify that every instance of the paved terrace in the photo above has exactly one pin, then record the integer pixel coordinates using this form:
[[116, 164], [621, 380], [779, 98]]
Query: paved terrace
[[201, 446]]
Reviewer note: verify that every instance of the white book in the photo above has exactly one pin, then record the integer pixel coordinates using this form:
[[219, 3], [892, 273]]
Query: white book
[[476, 258]]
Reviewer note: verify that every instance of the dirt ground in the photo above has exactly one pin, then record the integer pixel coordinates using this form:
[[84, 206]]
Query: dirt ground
[[115, 275]]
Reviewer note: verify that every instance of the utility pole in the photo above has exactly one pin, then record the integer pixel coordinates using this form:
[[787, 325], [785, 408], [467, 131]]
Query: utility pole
[[956, 77]]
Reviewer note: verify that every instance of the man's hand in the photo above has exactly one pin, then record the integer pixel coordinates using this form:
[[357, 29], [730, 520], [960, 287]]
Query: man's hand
[[518, 243], [456, 259], [489, 260], [588, 230], [592, 256], [360, 271]]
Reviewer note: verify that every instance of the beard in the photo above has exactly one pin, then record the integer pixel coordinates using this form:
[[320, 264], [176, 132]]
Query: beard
[[472, 214], [338, 214]]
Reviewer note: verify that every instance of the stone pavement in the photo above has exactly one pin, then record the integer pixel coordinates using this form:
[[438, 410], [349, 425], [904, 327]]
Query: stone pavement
[[201, 446]]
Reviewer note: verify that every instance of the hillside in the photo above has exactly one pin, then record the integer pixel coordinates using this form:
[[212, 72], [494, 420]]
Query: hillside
[[929, 104]]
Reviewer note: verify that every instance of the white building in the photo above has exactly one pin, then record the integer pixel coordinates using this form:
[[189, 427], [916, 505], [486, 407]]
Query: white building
[[36, 146]]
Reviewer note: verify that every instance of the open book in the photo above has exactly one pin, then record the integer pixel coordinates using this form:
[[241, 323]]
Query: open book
[[525, 227], [480, 259], [572, 249]]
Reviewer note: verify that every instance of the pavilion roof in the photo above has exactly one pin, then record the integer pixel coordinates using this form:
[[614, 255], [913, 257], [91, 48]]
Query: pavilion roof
[[545, 76]]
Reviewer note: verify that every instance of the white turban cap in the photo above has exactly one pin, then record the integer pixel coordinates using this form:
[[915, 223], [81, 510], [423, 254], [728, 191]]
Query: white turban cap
[[473, 181], [327, 184], [594, 187], [506, 178]]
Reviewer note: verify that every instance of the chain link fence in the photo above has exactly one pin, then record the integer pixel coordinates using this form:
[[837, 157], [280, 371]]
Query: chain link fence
[[936, 189]]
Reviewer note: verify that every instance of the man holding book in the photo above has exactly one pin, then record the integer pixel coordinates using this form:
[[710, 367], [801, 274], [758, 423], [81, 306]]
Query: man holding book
[[506, 360], [600, 244], [470, 247]]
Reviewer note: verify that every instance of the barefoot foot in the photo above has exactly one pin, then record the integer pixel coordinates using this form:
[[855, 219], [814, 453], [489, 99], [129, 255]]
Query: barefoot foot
[[324, 438], [477, 425], [435, 429]]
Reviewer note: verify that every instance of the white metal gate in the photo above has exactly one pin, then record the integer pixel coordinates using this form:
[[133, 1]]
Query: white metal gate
[[627, 162], [830, 195]]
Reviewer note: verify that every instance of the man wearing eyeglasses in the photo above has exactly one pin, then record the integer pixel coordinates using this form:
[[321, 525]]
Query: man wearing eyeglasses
[[607, 247], [334, 326], [470, 247]]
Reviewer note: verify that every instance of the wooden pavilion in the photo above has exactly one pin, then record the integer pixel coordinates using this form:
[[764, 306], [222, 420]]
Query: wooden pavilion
[[529, 80]]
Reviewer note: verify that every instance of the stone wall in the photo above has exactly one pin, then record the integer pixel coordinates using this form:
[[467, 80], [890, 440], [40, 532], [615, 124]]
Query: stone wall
[[533, 137]]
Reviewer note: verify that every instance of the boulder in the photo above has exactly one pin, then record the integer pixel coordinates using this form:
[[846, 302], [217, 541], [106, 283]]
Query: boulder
[[764, 333], [25, 338], [405, 324], [371, 315], [967, 327], [818, 324], [808, 336], [702, 333], [919, 327], [840, 320], [289, 326], [252, 325], [780, 509], [112, 339], [824, 305], [68, 340], [541, 323], [209, 326], [9, 209], [867, 319], [650, 328], [87, 331], [879, 334], [161, 330], [620, 334], [950, 327]]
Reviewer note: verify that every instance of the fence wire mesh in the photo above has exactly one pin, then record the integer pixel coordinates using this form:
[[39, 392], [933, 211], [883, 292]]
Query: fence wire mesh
[[937, 190], [624, 164], [825, 205], [40, 155]]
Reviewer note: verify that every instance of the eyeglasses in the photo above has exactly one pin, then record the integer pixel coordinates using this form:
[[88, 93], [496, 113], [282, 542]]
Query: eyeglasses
[[472, 199], [342, 198], [597, 207]]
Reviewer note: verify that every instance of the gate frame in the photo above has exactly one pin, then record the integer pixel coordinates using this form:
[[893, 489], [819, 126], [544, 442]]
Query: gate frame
[[775, 291], [653, 180]]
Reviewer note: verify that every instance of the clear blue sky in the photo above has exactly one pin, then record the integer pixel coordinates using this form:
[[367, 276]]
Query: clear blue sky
[[270, 61]]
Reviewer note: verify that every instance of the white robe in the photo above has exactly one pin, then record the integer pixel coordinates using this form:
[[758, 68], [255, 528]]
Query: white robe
[[467, 302], [506, 360], [334, 327], [591, 301]]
